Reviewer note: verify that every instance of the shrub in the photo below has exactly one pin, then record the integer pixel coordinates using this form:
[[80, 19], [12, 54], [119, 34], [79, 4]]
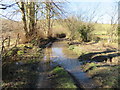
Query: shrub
[[79, 30], [85, 32], [12, 52]]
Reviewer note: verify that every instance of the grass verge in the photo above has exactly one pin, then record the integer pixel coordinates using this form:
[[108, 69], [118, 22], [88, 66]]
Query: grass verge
[[19, 67], [105, 73], [61, 78]]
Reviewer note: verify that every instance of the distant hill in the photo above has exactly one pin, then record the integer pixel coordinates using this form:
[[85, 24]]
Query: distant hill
[[10, 26]]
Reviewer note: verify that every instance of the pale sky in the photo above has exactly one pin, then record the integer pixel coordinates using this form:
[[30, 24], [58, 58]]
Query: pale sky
[[68, 0], [102, 9]]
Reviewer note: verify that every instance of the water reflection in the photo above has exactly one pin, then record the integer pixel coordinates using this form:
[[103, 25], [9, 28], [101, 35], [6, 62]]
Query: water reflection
[[47, 54], [59, 54], [46, 59]]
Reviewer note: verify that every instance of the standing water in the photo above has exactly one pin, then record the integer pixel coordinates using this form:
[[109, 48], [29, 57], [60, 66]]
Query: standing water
[[44, 69], [68, 60]]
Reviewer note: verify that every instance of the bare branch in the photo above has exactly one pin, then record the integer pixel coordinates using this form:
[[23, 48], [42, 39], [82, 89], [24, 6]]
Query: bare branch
[[7, 17], [7, 6]]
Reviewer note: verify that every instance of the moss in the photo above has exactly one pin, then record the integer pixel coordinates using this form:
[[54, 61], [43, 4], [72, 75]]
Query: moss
[[33, 41], [59, 71], [20, 45], [89, 66], [20, 52], [29, 45], [62, 78], [39, 49], [71, 47], [77, 50], [10, 53]]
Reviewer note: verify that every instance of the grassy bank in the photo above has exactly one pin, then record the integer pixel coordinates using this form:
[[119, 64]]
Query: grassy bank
[[106, 75], [97, 63], [19, 68], [61, 79]]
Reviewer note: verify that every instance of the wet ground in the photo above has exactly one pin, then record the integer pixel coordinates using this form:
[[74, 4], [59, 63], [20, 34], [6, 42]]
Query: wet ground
[[36, 74], [65, 58]]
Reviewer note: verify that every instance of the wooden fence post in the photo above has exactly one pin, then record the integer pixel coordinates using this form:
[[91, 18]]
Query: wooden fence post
[[3, 41], [17, 39], [2, 44], [8, 41]]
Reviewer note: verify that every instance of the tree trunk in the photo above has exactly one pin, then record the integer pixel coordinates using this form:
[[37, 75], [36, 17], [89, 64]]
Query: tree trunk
[[28, 18], [22, 8], [30, 11], [48, 20]]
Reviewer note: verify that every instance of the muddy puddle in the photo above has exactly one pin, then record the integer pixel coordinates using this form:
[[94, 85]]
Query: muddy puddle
[[65, 58], [36, 74]]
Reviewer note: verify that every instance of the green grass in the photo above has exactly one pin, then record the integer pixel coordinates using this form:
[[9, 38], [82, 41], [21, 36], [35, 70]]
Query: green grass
[[19, 76], [101, 29], [71, 47], [107, 76], [20, 52], [17, 72], [61, 78], [77, 50], [89, 66]]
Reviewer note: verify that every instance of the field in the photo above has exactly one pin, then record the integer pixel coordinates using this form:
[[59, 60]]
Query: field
[[95, 57], [89, 52]]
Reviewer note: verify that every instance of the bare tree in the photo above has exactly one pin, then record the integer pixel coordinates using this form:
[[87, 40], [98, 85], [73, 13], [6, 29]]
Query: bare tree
[[112, 32], [28, 18], [29, 15], [52, 9], [29, 11]]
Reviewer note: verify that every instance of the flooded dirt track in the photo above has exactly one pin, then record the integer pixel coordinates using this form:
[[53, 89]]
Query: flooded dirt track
[[37, 74], [65, 58], [43, 81]]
